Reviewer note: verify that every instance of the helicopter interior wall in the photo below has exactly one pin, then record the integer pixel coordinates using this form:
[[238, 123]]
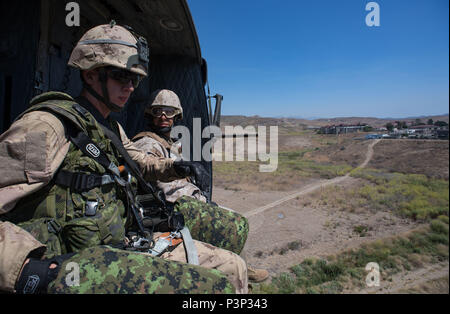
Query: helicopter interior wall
[[181, 74], [18, 42], [18, 51], [20, 30]]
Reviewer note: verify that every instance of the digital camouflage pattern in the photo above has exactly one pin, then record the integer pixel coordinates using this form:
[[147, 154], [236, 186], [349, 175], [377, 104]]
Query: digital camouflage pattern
[[107, 270], [207, 223], [154, 145], [56, 215], [91, 56], [212, 224], [165, 98]]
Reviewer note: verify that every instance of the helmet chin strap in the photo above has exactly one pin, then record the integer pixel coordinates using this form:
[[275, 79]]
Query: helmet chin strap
[[103, 78]]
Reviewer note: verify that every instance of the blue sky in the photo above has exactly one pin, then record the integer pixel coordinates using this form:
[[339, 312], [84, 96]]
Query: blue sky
[[318, 58]]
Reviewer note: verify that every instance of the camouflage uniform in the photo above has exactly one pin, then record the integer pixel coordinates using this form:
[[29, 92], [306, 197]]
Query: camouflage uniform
[[157, 142], [107, 270], [36, 221], [159, 147], [32, 151], [209, 222]]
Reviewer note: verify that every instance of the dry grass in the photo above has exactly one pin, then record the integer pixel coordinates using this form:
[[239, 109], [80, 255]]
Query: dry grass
[[346, 271], [407, 178], [430, 158], [302, 157], [436, 286]]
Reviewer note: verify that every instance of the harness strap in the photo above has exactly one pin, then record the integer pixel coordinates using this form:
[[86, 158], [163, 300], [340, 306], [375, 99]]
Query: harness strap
[[132, 165], [85, 144], [189, 246], [80, 182]]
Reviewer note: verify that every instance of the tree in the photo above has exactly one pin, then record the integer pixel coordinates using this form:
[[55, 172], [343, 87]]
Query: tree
[[419, 122], [367, 128], [390, 127], [430, 122], [401, 125], [441, 123]]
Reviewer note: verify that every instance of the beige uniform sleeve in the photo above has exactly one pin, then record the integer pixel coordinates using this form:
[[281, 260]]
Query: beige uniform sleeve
[[15, 246], [151, 147], [152, 167], [31, 151], [175, 189]]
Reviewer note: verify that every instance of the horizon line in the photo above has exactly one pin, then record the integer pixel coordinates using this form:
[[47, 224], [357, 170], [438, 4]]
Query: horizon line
[[336, 117]]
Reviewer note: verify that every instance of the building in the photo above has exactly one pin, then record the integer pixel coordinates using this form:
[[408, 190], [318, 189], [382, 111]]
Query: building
[[342, 129]]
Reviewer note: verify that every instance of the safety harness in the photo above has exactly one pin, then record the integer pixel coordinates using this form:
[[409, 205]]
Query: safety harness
[[173, 221]]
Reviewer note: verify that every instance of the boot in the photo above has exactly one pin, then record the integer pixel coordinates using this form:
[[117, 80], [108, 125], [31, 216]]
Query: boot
[[257, 275]]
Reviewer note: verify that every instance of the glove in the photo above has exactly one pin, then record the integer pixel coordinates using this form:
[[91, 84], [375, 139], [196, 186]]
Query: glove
[[193, 169], [37, 275]]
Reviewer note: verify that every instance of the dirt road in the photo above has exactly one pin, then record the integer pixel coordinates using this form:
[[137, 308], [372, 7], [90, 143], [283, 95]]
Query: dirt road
[[279, 219], [284, 230], [313, 187]]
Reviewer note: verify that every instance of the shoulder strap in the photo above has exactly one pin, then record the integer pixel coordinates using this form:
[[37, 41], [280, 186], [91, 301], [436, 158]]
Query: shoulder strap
[[59, 106], [50, 96], [79, 138], [132, 165]]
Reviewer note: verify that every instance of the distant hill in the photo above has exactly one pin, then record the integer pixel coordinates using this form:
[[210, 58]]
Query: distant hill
[[374, 122]]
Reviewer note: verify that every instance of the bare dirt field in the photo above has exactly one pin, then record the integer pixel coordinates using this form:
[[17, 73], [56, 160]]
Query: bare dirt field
[[295, 215], [426, 157], [310, 231]]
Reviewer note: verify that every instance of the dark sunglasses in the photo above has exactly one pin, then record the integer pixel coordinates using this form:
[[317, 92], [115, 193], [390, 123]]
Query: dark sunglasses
[[124, 77]]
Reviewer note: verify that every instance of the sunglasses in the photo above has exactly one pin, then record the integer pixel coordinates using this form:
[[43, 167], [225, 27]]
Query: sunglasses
[[167, 111], [124, 77]]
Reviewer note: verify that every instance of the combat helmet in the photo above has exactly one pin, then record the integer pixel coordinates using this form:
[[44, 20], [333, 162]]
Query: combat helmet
[[110, 45], [165, 98]]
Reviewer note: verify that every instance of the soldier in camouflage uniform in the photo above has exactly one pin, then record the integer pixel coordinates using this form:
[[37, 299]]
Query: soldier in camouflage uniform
[[64, 200], [162, 112]]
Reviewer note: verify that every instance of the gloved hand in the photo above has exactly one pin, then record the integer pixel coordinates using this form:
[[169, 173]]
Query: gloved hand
[[196, 170], [37, 274]]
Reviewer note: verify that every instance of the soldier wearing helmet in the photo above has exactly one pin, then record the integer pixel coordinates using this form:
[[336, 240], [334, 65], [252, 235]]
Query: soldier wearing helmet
[[160, 115], [112, 52], [64, 198], [162, 112]]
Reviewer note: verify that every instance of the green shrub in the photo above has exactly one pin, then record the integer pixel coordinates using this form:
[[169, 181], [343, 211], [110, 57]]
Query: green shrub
[[443, 218], [285, 283], [408, 195]]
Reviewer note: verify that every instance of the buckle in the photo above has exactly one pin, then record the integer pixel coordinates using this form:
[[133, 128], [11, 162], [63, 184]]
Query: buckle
[[160, 247], [91, 208]]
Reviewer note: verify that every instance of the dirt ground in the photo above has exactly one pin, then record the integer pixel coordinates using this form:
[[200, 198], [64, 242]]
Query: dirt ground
[[347, 149], [318, 231], [285, 229], [429, 157]]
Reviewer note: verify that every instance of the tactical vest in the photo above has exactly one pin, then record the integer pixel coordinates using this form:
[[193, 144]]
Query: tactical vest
[[80, 207]]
